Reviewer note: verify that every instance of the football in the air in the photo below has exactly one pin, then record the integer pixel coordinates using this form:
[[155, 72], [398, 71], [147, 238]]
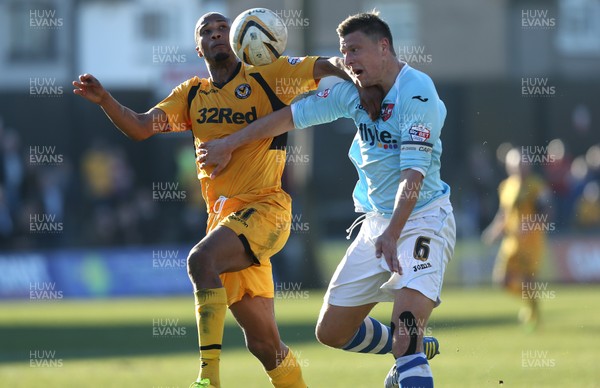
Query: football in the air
[[258, 36]]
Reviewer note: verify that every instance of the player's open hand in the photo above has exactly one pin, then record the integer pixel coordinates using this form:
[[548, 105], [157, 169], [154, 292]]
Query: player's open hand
[[215, 153], [386, 245], [90, 88], [371, 98]]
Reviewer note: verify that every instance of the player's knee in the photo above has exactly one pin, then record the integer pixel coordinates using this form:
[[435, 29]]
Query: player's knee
[[329, 337], [199, 260]]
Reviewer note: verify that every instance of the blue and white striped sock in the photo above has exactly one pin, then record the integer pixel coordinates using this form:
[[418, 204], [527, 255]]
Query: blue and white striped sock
[[414, 371], [372, 337]]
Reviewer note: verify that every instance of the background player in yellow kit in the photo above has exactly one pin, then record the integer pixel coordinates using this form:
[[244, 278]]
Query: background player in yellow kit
[[230, 266], [522, 219]]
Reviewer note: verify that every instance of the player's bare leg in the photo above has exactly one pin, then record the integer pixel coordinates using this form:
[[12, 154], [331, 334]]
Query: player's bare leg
[[256, 317], [529, 314], [337, 325], [409, 321], [219, 252], [351, 329], [517, 281]]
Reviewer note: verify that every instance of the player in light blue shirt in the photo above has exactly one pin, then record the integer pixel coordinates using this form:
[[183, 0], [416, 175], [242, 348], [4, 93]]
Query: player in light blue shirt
[[406, 136], [407, 220]]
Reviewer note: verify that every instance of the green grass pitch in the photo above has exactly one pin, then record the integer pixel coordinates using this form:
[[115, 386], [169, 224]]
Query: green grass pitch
[[150, 343]]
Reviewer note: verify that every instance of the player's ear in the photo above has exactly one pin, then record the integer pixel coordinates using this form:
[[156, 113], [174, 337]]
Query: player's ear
[[384, 44], [200, 55]]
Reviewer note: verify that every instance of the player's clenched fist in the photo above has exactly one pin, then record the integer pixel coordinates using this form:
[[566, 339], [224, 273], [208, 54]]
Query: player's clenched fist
[[90, 88]]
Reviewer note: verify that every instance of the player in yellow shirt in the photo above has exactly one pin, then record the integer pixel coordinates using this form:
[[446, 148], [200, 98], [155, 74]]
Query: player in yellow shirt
[[522, 219], [231, 265]]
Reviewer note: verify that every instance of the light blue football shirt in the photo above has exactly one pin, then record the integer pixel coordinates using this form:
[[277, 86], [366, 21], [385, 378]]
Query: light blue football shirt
[[406, 136]]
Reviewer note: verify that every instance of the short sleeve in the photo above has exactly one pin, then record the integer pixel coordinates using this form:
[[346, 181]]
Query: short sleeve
[[422, 127], [177, 109], [325, 106]]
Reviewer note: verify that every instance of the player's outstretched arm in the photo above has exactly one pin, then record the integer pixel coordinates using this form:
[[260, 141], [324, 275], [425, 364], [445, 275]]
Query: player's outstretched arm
[[136, 126], [406, 198], [217, 152], [495, 229]]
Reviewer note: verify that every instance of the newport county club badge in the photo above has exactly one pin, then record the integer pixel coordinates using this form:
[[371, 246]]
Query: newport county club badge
[[386, 111], [243, 91]]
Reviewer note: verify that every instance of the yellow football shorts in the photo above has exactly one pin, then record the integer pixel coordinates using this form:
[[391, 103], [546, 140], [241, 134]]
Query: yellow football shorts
[[262, 228], [519, 257]]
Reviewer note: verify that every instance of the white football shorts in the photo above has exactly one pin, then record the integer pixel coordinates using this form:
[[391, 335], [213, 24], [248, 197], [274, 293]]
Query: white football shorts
[[424, 248]]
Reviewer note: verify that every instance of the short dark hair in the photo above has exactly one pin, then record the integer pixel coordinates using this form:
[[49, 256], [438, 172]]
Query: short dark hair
[[368, 23]]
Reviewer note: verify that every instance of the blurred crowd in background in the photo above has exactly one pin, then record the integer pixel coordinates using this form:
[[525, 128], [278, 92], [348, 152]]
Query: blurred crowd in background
[[100, 200], [574, 182]]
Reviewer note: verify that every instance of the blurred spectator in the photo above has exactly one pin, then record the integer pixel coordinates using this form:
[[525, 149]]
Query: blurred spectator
[[522, 220], [588, 207], [97, 167], [582, 118], [586, 175], [592, 159], [481, 188], [109, 182], [13, 170], [557, 174], [193, 218], [6, 221]]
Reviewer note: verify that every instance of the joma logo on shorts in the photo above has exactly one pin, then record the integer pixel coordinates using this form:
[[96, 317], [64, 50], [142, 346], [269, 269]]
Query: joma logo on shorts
[[419, 267], [225, 115]]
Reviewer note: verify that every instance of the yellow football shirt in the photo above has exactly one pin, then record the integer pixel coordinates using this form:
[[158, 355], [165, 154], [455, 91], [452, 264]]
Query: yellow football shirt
[[525, 227], [218, 110], [519, 199]]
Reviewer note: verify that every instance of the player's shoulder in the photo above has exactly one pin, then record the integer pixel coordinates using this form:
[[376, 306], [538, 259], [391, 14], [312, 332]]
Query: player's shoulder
[[413, 81], [346, 87], [411, 74], [202, 83], [343, 91]]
